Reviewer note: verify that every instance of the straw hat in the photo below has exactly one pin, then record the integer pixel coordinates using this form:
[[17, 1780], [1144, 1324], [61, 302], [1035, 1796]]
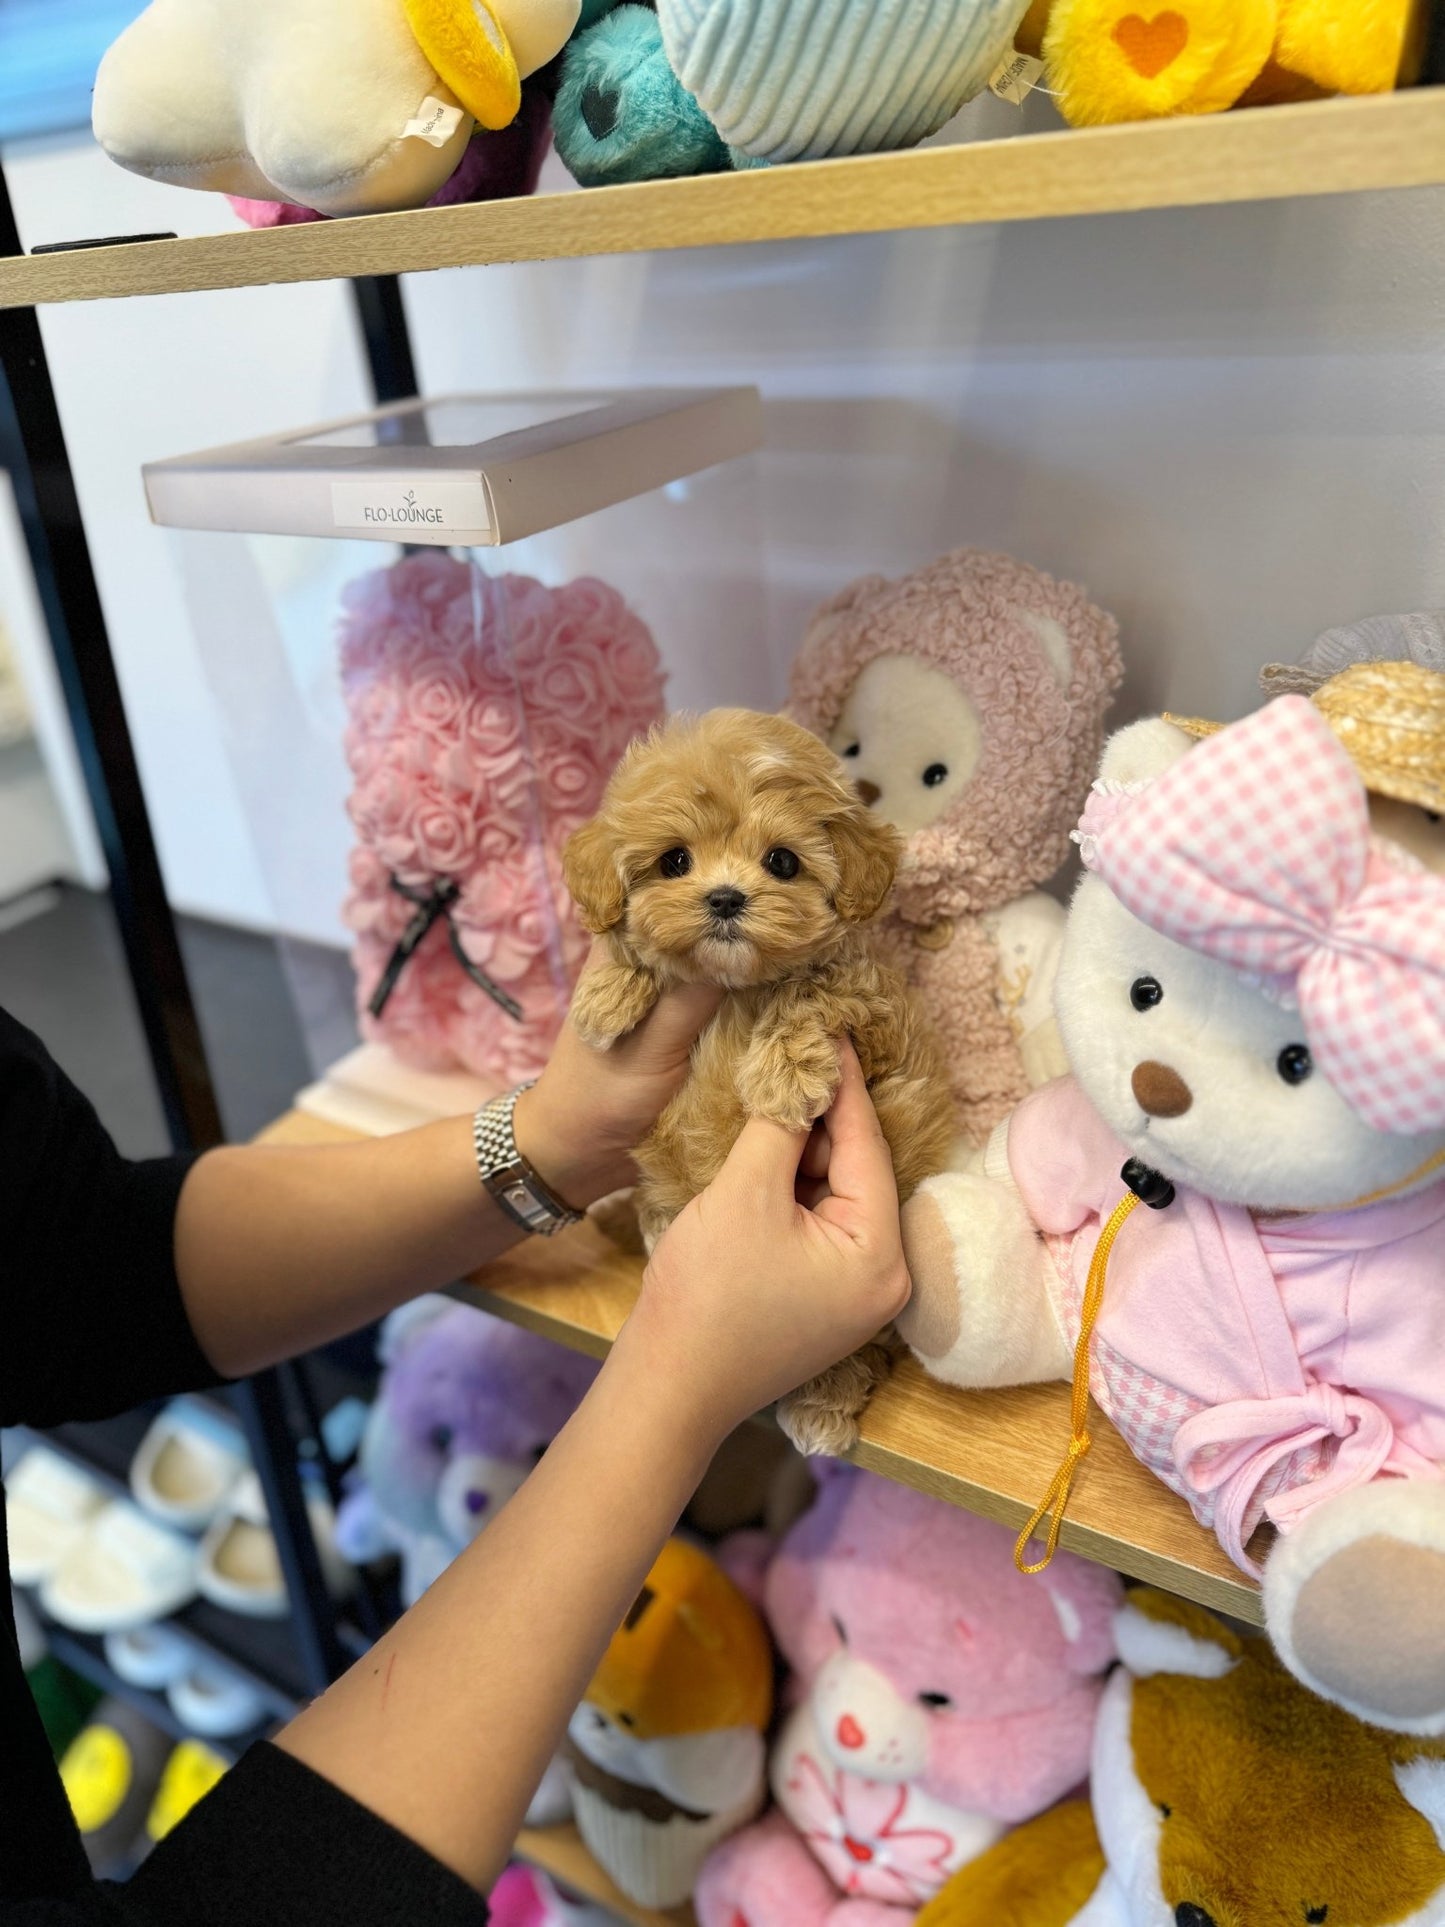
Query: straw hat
[[1390, 717], [1411, 638]]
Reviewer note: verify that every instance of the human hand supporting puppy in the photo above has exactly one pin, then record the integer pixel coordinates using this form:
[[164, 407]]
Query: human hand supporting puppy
[[749, 1292]]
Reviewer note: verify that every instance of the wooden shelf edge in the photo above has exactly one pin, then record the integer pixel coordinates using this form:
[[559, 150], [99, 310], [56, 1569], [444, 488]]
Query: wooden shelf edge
[[1310, 148], [559, 1851], [991, 1453]]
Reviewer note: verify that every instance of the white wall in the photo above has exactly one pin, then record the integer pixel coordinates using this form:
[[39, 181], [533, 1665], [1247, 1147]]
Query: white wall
[[1229, 422]]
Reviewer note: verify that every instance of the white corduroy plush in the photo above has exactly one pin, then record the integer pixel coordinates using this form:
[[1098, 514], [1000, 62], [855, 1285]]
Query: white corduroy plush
[[787, 80]]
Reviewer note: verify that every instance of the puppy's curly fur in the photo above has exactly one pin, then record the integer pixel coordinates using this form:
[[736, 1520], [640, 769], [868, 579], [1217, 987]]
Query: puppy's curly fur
[[732, 849]]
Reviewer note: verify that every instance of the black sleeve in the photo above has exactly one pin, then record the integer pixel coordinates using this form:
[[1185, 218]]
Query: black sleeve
[[275, 1842], [274, 1845], [91, 1318]]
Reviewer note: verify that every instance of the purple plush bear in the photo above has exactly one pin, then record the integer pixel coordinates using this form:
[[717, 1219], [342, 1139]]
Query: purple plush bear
[[465, 1408]]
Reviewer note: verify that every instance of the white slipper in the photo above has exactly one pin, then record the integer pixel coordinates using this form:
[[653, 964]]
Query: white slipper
[[149, 1656], [50, 1505], [240, 1567], [188, 1461], [124, 1571], [215, 1702]]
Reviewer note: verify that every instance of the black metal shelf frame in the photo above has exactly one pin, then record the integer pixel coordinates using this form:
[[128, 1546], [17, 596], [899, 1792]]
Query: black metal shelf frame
[[33, 450]]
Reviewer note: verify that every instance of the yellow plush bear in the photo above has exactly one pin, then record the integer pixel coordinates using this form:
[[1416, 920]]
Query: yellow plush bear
[[1113, 60]]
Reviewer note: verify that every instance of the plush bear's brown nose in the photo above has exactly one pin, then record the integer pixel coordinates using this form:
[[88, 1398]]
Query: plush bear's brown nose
[[869, 792], [1160, 1091]]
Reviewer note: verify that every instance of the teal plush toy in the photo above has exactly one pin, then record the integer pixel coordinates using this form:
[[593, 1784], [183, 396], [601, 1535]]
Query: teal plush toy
[[621, 113], [702, 85]]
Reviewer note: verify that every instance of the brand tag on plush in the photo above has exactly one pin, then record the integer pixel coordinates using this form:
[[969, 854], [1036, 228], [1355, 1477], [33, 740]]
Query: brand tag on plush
[[434, 122], [1016, 78]]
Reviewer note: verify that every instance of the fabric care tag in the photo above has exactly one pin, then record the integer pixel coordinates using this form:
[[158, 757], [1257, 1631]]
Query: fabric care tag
[[1016, 78], [434, 122]]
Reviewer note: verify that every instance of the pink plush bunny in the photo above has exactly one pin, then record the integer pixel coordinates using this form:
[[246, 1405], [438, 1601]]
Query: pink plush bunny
[[941, 1699]]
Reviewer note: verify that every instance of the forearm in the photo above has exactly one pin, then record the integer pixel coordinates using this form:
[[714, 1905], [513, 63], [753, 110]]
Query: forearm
[[446, 1727], [280, 1248]]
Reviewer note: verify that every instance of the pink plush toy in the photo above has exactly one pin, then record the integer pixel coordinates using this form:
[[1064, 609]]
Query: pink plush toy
[[942, 1699], [968, 699], [486, 713]]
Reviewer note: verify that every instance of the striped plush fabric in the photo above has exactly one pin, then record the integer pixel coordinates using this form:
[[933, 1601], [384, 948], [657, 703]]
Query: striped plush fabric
[[789, 80]]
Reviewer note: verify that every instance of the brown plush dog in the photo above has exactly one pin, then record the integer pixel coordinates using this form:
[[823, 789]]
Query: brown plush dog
[[732, 849]]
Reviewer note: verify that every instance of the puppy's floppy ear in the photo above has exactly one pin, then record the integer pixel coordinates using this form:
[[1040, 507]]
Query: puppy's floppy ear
[[867, 850], [590, 871]]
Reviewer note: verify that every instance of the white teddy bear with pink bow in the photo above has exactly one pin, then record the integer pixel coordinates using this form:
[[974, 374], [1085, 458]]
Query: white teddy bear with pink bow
[[1252, 1001]]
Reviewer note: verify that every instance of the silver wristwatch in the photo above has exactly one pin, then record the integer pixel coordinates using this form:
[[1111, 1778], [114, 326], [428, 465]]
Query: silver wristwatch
[[507, 1174]]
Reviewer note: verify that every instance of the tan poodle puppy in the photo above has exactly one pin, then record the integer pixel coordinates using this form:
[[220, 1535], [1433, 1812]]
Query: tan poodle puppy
[[732, 849]]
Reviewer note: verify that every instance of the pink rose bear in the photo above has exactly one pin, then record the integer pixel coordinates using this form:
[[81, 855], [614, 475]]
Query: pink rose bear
[[940, 1699]]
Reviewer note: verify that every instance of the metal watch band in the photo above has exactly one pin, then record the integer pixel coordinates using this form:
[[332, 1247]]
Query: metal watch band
[[509, 1177]]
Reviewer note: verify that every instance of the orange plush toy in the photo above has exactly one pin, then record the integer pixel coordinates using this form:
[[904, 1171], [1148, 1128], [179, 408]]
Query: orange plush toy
[[1114, 60], [667, 1749]]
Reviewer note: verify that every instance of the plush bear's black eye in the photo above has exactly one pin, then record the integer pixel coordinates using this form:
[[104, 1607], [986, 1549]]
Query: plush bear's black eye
[[838, 1629], [1145, 992], [782, 864], [675, 863], [1294, 1063], [440, 1438], [852, 749], [936, 1702], [935, 774], [1316, 1914]]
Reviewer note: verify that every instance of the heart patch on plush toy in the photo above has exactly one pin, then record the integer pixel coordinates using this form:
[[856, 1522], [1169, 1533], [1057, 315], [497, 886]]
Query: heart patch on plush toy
[[1150, 46]]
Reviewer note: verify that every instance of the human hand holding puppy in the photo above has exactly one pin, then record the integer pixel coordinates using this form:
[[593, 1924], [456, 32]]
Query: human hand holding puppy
[[749, 1293]]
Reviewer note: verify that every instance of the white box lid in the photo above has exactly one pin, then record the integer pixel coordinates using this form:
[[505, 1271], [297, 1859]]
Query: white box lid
[[461, 471]]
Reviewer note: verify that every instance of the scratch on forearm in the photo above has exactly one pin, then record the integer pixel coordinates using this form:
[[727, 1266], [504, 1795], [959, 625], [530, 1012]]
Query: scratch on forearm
[[386, 1683]]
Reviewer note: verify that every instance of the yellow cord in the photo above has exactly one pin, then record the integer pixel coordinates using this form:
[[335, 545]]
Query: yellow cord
[[1055, 1500], [1405, 1184]]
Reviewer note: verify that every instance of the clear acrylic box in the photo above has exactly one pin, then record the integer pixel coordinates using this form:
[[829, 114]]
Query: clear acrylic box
[[414, 731]]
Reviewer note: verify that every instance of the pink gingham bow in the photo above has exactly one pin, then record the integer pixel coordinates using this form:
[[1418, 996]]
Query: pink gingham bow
[[1255, 849]]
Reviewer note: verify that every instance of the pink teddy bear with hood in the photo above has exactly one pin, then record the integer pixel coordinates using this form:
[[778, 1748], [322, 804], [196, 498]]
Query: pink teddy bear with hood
[[939, 1700], [967, 699]]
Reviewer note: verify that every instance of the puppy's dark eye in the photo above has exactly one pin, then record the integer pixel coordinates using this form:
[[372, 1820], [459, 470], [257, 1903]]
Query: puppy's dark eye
[[935, 1702], [852, 749], [1145, 992], [935, 774], [440, 1438], [674, 863], [838, 1629], [1164, 1810], [782, 864], [1294, 1063], [1431, 816]]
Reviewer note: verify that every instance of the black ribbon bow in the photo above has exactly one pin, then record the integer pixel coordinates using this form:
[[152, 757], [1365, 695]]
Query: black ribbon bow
[[430, 905]]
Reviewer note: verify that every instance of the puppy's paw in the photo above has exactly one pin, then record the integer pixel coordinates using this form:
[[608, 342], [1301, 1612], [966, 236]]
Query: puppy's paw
[[789, 1077], [821, 1417], [611, 1001]]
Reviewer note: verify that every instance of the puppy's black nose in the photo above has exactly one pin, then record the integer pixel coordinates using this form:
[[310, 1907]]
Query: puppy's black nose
[[599, 108], [726, 904], [1188, 1915]]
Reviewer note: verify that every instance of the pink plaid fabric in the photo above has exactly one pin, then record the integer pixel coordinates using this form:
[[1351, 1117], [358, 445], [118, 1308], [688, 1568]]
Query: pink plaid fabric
[[1256, 849]]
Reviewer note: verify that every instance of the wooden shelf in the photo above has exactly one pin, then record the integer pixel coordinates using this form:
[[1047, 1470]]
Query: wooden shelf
[[1318, 147], [559, 1851], [992, 1453]]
